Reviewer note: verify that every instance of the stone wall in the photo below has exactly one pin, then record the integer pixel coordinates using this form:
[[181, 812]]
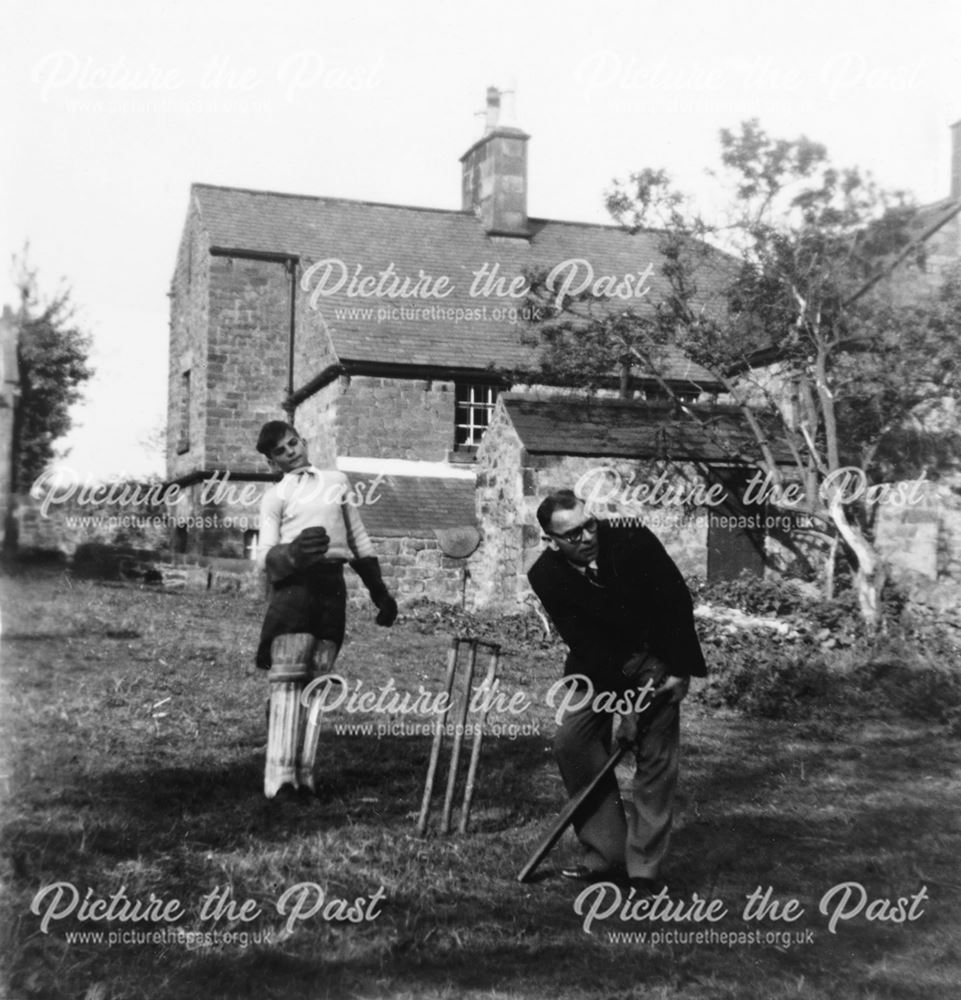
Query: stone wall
[[393, 418], [313, 349], [316, 421], [246, 375], [209, 518], [373, 417], [206, 542], [216, 517], [413, 568], [417, 568], [63, 526], [189, 311], [230, 320], [511, 485], [923, 538]]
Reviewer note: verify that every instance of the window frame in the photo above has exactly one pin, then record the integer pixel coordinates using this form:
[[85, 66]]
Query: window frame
[[471, 429]]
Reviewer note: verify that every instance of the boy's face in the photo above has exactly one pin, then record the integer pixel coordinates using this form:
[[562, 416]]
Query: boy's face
[[289, 453]]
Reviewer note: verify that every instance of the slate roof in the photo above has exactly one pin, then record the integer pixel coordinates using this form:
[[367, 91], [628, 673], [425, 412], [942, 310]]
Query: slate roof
[[416, 505], [437, 243], [618, 428]]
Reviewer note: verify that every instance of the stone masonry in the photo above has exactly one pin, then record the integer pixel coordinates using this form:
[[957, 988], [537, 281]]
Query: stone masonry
[[380, 418], [511, 483]]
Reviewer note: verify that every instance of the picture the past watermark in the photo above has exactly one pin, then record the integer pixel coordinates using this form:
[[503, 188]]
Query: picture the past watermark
[[63, 486], [215, 918], [601, 487]]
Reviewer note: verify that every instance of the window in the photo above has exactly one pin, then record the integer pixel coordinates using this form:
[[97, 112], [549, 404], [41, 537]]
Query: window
[[183, 440], [474, 403]]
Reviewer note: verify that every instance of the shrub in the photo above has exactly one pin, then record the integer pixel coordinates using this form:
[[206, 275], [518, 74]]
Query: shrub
[[897, 673], [909, 685], [754, 594], [763, 675]]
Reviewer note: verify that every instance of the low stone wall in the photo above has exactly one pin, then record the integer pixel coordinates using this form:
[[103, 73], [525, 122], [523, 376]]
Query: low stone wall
[[230, 576], [111, 539], [62, 527], [413, 568], [922, 538], [417, 568]]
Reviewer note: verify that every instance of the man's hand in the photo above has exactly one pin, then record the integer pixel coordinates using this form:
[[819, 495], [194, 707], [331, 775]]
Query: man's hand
[[627, 729], [309, 548], [673, 688], [639, 668], [676, 687]]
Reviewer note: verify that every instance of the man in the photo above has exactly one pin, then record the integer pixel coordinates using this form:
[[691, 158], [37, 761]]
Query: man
[[308, 531], [621, 605]]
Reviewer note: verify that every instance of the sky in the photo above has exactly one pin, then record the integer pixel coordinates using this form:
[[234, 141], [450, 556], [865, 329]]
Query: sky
[[112, 109]]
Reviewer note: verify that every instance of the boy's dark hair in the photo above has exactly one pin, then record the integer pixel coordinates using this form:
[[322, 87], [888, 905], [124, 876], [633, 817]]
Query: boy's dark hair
[[271, 435], [558, 500]]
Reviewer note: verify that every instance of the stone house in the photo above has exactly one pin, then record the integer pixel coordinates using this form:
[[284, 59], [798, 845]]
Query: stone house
[[383, 332]]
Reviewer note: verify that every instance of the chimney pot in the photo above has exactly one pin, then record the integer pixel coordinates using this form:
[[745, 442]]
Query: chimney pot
[[508, 115], [494, 178], [493, 109]]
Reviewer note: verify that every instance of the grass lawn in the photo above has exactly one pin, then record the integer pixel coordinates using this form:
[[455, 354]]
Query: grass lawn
[[133, 742]]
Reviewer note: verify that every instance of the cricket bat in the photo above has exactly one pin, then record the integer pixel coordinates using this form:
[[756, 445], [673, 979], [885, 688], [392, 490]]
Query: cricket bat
[[567, 816]]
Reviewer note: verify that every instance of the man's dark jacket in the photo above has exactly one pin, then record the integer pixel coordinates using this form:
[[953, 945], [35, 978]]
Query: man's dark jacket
[[642, 603]]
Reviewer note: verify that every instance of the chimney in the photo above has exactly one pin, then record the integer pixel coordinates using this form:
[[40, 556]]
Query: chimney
[[956, 160], [494, 170]]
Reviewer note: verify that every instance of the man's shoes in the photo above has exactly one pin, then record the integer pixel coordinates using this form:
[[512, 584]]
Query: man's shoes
[[581, 873], [645, 887]]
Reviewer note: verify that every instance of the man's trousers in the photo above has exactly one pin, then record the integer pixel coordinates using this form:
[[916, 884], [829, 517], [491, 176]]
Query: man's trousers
[[632, 834]]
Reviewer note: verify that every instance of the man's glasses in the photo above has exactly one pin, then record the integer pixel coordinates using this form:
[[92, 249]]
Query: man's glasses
[[576, 535]]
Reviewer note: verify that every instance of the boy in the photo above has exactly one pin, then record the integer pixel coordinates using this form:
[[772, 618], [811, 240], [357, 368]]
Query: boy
[[308, 531]]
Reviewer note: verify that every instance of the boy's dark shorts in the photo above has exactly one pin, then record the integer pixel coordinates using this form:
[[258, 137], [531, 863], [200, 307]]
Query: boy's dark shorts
[[314, 601]]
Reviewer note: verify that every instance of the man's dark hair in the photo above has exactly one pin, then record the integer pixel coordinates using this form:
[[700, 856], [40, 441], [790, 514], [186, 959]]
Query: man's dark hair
[[558, 500], [271, 434]]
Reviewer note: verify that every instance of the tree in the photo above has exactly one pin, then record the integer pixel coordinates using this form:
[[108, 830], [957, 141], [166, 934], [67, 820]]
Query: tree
[[52, 354], [794, 334]]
